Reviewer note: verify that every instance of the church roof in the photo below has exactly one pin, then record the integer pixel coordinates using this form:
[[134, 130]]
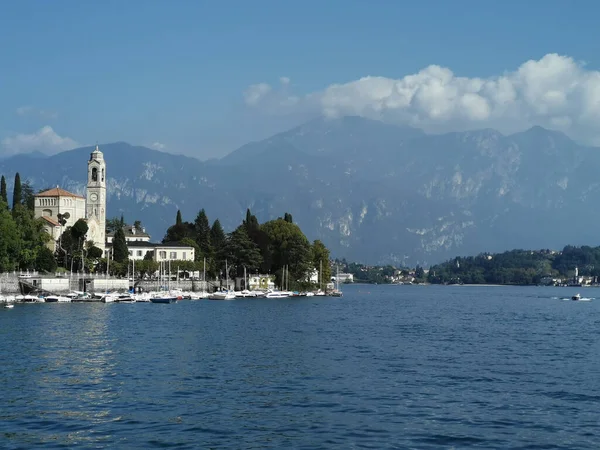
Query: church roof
[[51, 221], [57, 192]]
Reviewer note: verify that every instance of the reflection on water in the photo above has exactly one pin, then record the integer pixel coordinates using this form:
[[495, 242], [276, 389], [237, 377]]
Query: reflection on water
[[414, 367]]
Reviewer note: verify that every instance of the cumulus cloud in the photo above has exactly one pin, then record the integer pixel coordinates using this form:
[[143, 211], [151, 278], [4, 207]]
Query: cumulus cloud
[[255, 93], [555, 91], [158, 145], [45, 140], [33, 111]]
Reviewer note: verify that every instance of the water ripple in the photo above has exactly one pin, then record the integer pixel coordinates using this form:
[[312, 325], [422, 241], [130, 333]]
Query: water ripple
[[397, 368]]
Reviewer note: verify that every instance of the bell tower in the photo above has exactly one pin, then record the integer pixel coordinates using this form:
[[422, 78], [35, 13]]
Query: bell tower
[[96, 199]]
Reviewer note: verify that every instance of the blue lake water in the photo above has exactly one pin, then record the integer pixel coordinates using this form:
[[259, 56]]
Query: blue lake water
[[382, 367]]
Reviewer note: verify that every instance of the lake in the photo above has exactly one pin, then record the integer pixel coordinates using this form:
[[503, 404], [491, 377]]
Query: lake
[[383, 367]]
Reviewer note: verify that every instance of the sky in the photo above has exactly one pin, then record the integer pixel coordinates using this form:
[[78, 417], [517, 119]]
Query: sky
[[204, 77]]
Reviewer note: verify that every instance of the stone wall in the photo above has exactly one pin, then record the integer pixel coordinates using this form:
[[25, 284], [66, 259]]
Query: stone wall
[[9, 283]]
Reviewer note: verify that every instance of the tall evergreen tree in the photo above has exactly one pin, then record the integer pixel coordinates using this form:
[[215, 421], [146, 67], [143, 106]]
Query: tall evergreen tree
[[3, 193], [178, 220], [17, 191], [28, 196], [202, 229], [120, 251], [288, 218], [218, 240]]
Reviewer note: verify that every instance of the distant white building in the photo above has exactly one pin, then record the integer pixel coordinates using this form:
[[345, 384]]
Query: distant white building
[[256, 282], [170, 251], [343, 278], [132, 234]]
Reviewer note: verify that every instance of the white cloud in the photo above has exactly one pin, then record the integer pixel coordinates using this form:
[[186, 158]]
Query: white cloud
[[255, 93], [158, 145], [45, 140], [554, 91], [32, 111]]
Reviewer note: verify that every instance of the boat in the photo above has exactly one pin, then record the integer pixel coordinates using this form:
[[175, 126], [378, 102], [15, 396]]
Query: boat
[[125, 298], [57, 299], [9, 305], [576, 297], [337, 292], [222, 295], [163, 299], [277, 294]]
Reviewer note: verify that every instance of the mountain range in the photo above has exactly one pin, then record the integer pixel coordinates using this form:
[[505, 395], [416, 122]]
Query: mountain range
[[373, 192]]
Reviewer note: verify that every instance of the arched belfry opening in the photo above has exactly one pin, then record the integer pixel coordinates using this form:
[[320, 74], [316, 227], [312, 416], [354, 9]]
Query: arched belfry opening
[[94, 174]]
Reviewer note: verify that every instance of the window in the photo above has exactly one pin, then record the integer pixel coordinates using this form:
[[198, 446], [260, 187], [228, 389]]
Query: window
[[139, 253], [94, 174], [173, 255], [47, 213], [102, 174], [130, 253], [163, 255], [184, 257]]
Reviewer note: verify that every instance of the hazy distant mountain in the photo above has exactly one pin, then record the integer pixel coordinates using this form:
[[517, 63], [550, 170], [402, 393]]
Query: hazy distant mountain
[[372, 192]]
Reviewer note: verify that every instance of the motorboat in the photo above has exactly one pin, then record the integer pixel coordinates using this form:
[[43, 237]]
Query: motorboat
[[222, 295], [57, 299], [576, 297], [9, 305], [277, 294], [163, 299]]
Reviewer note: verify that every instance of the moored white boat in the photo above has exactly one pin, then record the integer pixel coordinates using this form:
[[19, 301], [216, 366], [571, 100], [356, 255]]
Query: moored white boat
[[57, 299], [222, 295]]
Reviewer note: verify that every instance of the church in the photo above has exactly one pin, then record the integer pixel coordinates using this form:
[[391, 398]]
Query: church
[[60, 209]]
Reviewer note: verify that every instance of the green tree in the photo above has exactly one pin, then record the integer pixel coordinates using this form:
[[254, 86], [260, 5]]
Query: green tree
[[420, 273], [31, 236], [10, 240], [28, 196], [79, 229], [178, 220], [113, 224], [202, 229], [217, 240], [45, 261], [240, 251], [120, 252], [3, 192], [289, 248], [177, 232], [17, 191], [288, 218]]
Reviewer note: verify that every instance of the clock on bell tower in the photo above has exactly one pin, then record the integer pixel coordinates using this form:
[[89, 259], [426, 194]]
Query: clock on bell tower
[[96, 199]]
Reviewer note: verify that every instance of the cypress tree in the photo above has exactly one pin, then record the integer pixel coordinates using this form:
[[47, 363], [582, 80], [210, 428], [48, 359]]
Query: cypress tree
[[3, 193], [17, 192], [120, 250], [178, 220], [202, 230]]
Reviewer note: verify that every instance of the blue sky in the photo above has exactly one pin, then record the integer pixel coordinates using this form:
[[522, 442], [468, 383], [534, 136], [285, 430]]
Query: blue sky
[[174, 74]]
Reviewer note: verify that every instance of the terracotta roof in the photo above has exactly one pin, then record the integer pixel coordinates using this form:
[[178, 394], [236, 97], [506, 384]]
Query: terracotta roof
[[51, 221], [57, 192]]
